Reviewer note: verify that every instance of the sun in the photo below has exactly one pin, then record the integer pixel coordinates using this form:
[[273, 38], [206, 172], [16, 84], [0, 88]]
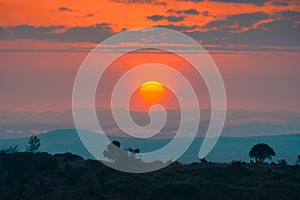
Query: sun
[[152, 91]]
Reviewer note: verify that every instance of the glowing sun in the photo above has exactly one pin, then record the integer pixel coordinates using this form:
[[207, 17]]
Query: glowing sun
[[152, 91]]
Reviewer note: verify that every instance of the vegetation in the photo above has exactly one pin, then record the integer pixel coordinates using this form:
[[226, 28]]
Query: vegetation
[[33, 144], [11, 149], [119, 156], [66, 176], [203, 160], [260, 152], [34, 175], [127, 160]]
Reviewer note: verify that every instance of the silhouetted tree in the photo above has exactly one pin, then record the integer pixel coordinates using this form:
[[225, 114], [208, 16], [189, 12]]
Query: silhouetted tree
[[203, 160], [113, 151], [260, 152], [282, 162], [117, 143], [125, 159], [33, 144], [237, 163], [298, 161], [133, 150]]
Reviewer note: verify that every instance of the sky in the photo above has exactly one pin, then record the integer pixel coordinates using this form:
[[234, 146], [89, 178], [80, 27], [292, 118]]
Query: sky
[[254, 43]]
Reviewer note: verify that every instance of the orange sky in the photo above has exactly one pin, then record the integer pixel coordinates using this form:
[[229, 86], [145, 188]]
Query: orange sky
[[120, 15], [256, 47]]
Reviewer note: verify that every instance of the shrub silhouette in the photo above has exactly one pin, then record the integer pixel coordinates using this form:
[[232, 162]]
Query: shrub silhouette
[[237, 163], [282, 162], [117, 155], [113, 152], [260, 152], [10, 150], [33, 144], [298, 161], [127, 159], [203, 160], [133, 150], [117, 143]]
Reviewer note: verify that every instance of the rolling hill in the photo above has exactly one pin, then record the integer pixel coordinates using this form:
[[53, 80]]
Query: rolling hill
[[227, 149]]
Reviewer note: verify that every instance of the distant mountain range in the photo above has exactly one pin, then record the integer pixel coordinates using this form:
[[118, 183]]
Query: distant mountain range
[[227, 149], [239, 122]]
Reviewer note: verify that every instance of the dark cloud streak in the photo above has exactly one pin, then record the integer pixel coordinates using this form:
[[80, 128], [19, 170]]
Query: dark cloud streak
[[65, 9], [171, 18], [187, 12], [154, 2], [255, 2], [155, 18], [280, 3], [94, 34], [254, 29]]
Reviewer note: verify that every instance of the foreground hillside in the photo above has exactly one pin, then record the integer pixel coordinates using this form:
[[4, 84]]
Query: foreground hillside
[[67, 176]]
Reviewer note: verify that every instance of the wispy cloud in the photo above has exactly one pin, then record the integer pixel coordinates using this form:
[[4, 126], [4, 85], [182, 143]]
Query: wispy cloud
[[280, 2], [10, 131], [174, 18], [256, 2], [238, 122], [256, 29], [65, 9], [170, 18], [187, 12], [154, 2], [94, 33], [90, 15], [155, 17]]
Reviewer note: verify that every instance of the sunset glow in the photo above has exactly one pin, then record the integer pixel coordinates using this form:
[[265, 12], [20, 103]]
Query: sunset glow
[[152, 91], [255, 45]]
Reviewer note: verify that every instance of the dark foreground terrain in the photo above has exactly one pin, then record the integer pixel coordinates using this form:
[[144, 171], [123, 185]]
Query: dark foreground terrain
[[67, 176]]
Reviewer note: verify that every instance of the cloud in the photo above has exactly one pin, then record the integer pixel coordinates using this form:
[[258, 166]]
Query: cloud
[[173, 18], [29, 32], [96, 33], [238, 122], [187, 12], [154, 2], [180, 28], [205, 13], [280, 2], [256, 2], [10, 131], [4, 34], [255, 29], [196, 1], [191, 12], [89, 15], [22, 133], [36, 132], [290, 14], [65, 9], [155, 17], [237, 22]]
